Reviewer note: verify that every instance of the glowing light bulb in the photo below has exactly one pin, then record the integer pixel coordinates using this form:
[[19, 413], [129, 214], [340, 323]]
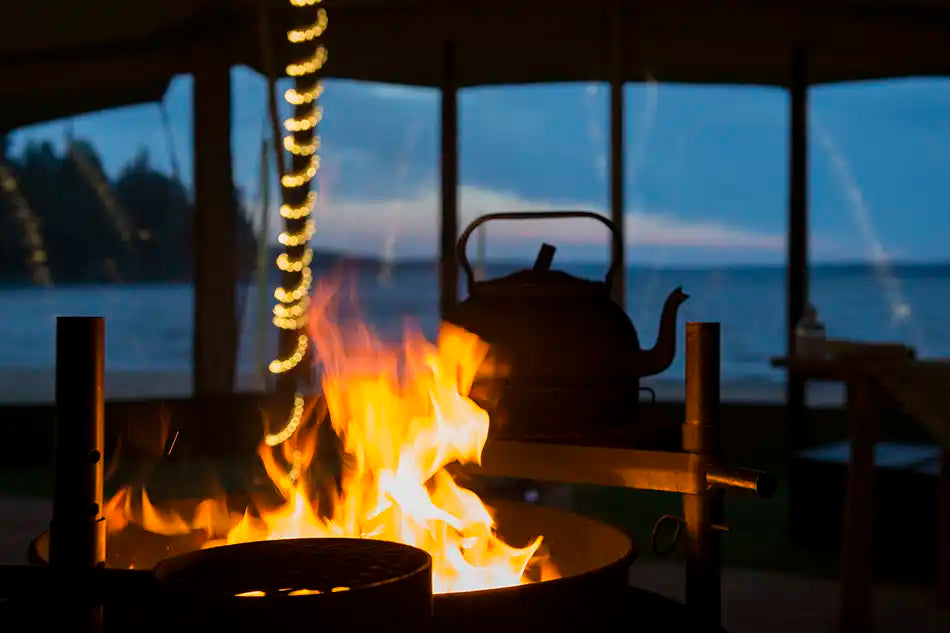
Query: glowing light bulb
[[300, 290], [299, 36], [304, 3], [278, 366], [301, 149], [303, 176], [296, 239], [291, 212], [296, 97], [296, 416], [308, 66], [306, 123], [294, 310], [291, 325], [289, 265]]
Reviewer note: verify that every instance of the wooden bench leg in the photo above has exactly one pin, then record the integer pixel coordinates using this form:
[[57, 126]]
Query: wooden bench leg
[[856, 570]]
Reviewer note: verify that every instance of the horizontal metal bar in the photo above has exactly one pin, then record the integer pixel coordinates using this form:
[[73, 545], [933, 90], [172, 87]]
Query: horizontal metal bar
[[760, 483], [626, 468]]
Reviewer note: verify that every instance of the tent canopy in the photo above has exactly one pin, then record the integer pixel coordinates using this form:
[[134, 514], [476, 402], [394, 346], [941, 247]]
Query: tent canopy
[[63, 57]]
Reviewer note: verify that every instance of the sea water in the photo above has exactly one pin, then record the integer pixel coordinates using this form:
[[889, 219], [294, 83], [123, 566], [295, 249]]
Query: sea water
[[149, 327]]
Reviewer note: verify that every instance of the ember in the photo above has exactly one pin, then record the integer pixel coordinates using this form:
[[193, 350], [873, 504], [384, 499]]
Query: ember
[[403, 415]]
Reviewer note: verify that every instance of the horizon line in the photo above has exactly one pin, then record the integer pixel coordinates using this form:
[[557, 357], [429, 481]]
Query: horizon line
[[367, 258]]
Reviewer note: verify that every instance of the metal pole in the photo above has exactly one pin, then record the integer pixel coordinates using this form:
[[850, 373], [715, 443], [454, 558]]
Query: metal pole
[[215, 265], [943, 534], [448, 266], [703, 511], [263, 251], [615, 39], [78, 529], [797, 282]]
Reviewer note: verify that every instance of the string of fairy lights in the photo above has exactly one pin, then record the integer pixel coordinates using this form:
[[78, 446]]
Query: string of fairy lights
[[293, 295], [29, 225]]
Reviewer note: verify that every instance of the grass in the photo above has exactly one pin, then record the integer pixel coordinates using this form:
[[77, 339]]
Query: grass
[[27, 482], [758, 528]]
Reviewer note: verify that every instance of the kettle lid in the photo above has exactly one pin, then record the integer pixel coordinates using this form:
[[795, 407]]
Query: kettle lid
[[537, 283]]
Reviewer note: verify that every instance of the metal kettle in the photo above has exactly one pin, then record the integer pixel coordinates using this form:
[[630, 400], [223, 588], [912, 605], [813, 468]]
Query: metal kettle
[[565, 356]]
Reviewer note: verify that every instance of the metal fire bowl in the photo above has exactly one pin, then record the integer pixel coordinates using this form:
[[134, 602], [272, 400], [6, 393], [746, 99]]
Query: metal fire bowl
[[380, 581], [591, 557]]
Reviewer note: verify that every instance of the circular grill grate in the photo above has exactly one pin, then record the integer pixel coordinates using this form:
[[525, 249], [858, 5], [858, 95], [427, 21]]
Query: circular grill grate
[[278, 567], [352, 585]]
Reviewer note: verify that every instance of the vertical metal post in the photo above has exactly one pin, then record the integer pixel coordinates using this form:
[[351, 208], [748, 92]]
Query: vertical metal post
[[943, 531], [704, 510], [263, 255], [616, 40], [856, 586], [797, 281], [78, 529], [215, 264], [448, 266]]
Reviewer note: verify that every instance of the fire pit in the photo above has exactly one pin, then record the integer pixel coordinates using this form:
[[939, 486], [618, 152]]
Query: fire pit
[[592, 560], [399, 424], [503, 566]]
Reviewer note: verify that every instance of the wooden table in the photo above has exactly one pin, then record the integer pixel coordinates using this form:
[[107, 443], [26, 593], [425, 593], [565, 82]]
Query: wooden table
[[922, 390]]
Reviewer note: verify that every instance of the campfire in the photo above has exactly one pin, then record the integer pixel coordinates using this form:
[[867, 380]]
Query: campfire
[[403, 419]]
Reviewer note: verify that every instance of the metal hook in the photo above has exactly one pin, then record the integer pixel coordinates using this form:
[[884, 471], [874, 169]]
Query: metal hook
[[650, 391], [677, 532], [654, 541]]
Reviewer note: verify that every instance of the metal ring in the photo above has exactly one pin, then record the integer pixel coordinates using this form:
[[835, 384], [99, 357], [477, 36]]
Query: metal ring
[[652, 393], [656, 530]]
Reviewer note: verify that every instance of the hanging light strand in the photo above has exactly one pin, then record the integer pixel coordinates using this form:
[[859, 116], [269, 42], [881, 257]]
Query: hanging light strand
[[293, 301]]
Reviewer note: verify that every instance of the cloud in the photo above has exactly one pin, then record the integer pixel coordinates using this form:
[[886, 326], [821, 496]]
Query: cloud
[[408, 227], [397, 92]]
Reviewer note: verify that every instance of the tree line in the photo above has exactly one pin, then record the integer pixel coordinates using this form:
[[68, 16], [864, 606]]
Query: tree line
[[136, 228]]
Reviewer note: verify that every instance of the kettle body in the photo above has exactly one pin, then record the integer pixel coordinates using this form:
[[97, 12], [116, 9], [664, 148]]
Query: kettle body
[[566, 358]]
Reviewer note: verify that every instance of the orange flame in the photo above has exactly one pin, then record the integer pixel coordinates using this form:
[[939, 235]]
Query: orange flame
[[403, 416]]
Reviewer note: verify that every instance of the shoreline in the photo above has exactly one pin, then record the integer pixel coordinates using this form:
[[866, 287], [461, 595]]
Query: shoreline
[[32, 386]]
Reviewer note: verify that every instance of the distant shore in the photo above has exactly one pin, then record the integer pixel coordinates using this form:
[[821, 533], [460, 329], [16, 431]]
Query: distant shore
[[36, 386], [327, 260]]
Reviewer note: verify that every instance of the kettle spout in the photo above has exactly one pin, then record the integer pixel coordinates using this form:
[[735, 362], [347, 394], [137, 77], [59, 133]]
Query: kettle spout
[[660, 357]]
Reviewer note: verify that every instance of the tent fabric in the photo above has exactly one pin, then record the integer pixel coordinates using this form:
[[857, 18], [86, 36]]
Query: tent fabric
[[71, 56]]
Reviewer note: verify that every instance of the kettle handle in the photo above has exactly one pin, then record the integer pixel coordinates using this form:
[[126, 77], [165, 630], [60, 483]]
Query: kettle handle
[[461, 247]]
